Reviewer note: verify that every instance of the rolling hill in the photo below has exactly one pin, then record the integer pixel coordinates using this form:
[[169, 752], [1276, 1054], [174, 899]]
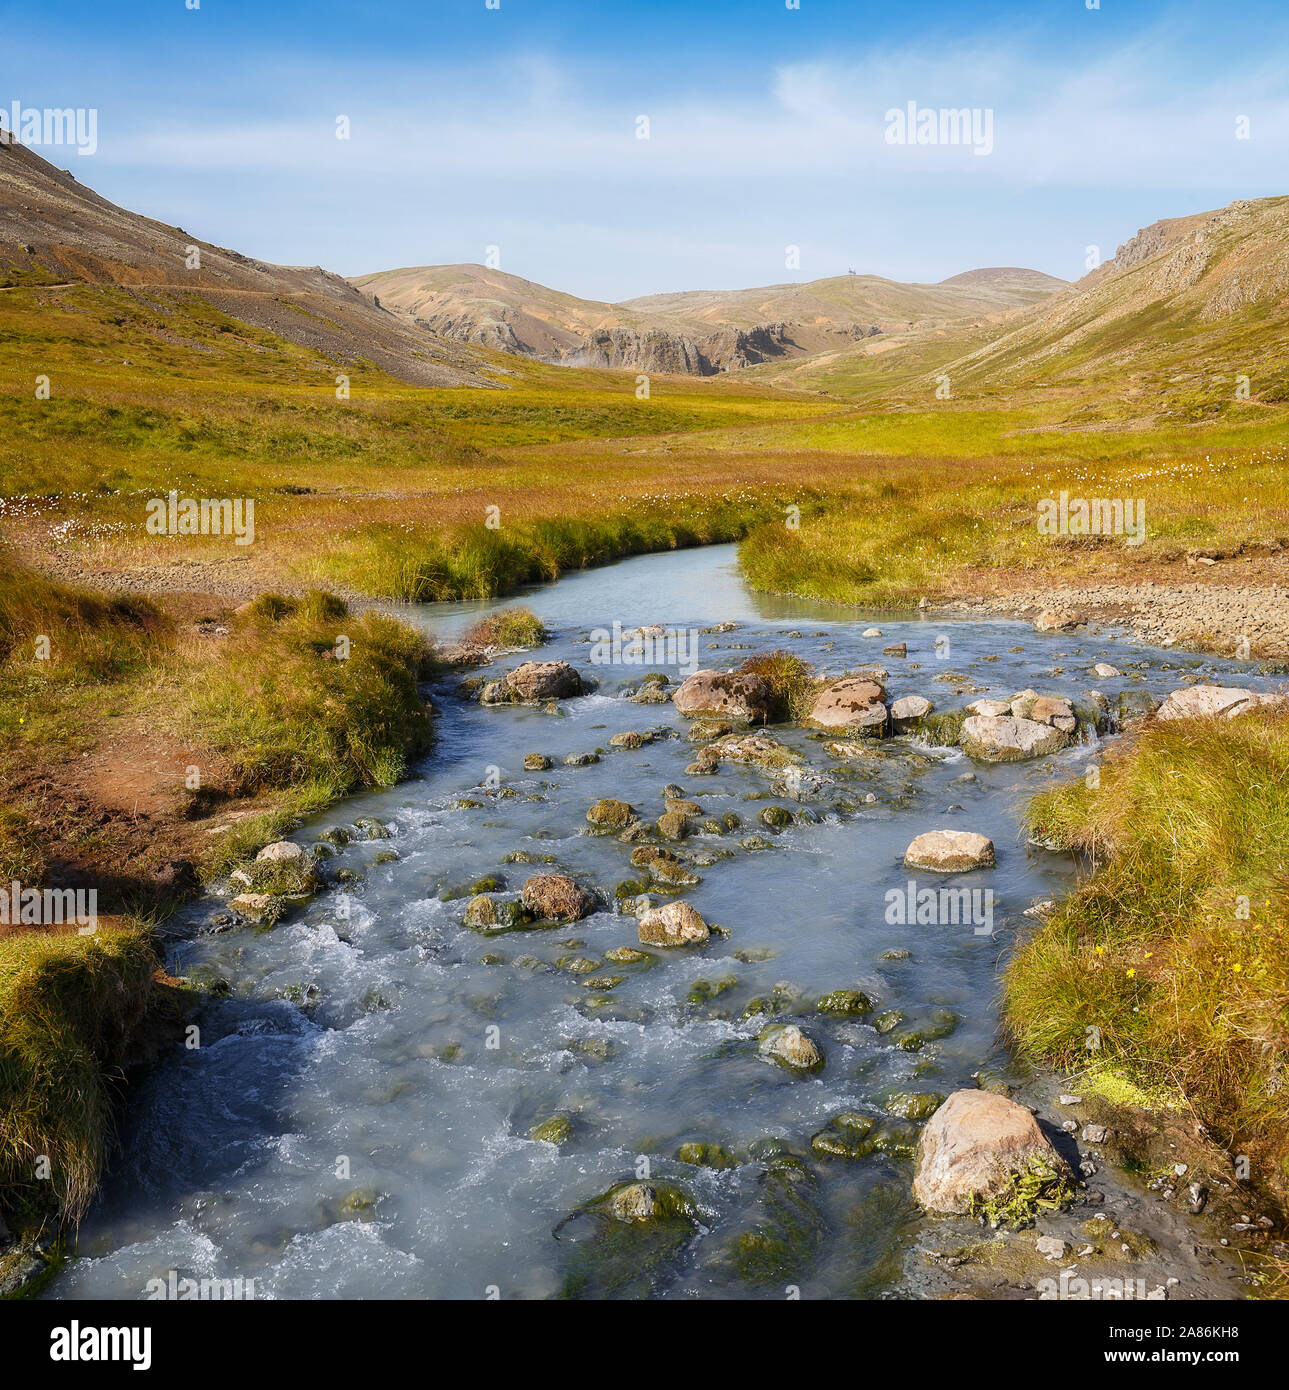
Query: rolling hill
[[55, 231], [700, 332]]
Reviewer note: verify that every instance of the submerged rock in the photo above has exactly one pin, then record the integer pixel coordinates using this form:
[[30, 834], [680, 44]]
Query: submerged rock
[[950, 851], [663, 867], [974, 1147]]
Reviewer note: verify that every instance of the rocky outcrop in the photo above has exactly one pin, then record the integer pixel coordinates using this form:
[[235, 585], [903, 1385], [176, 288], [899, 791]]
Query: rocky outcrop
[[995, 739], [950, 852], [973, 1147], [733, 694], [854, 705]]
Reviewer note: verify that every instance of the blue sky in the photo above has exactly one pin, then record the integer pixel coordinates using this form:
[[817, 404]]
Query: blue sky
[[516, 128]]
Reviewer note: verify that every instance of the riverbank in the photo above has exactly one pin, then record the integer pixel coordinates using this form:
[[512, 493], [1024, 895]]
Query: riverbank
[[143, 751], [1164, 975]]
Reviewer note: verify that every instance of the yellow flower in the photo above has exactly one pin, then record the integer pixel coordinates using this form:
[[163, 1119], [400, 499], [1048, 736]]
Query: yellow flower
[[1237, 967], [1100, 950], [1131, 973]]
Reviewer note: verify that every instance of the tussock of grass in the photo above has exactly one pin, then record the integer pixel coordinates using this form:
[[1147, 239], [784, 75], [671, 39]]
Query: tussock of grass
[[1176, 949], [311, 695], [69, 1006], [508, 628], [792, 682], [91, 637]]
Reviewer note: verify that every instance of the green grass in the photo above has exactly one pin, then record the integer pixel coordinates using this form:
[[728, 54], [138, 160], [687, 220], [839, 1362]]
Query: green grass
[[510, 628], [1173, 956], [792, 682], [310, 694], [69, 1010]]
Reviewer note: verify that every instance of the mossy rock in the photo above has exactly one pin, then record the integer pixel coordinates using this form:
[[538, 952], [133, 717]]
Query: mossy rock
[[369, 828], [557, 1130], [845, 1136], [628, 955], [706, 1156], [914, 1105], [849, 1003], [943, 729], [776, 817], [889, 1021], [703, 990], [610, 814], [673, 825], [536, 762]]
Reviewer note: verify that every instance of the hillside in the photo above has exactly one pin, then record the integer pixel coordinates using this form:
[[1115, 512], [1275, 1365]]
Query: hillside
[[699, 332], [54, 231], [1193, 301]]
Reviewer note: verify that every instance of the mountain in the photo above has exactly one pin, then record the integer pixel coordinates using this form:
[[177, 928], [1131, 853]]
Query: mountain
[[1198, 295], [700, 332], [55, 231]]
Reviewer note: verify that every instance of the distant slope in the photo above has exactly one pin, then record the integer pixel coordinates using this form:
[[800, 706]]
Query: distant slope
[[701, 332], [53, 230], [1198, 295]]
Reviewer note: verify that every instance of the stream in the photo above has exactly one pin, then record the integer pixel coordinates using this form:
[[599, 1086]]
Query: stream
[[356, 1120]]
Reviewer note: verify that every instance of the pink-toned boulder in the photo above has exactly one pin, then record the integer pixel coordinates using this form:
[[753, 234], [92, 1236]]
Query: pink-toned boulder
[[854, 704], [973, 1145], [731, 693], [1211, 701]]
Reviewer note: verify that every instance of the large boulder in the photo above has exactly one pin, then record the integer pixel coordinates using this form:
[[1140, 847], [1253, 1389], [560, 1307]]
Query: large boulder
[[950, 852], [672, 924], [995, 739], [731, 693], [973, 1146], [557, 898], [533, 682], [855, 705], [1214, 701]]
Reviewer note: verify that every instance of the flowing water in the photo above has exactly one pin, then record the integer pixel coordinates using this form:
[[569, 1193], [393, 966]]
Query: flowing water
[[356, 1120]]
